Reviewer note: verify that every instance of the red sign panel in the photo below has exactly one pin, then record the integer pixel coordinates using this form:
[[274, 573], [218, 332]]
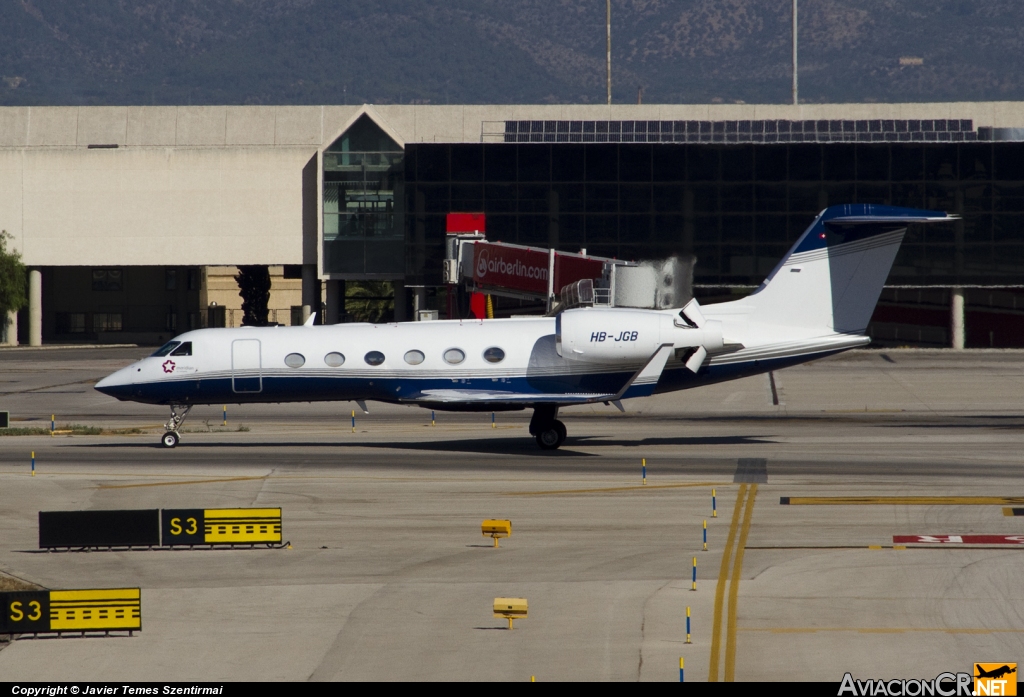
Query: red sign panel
[[959, 539], [526, 270], [510, 267], [465, 222]]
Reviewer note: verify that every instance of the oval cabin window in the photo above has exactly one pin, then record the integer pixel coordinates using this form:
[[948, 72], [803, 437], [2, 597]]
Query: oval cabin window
[[414, 357], [294, 360], [454, 356], [374, 358], [494, 355], [334, 359]]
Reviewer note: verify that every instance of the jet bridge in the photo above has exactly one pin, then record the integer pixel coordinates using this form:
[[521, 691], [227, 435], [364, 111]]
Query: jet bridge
[[562, 279]]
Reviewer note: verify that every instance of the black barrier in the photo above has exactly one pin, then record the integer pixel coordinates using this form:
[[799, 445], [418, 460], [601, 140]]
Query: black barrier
[[99, 528]]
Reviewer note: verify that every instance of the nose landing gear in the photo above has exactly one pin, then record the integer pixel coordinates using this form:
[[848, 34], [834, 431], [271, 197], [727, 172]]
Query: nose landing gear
[[549, 431], [178, 413]]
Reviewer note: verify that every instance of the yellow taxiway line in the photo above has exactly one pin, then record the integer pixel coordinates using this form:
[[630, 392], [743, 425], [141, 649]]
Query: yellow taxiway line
[[723, 575], [556, 492], [734, 587], [901, 500]]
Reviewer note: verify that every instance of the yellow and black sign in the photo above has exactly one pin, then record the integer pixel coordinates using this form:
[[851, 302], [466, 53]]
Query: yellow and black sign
[[217, 526], [105, 609], [995, 678]]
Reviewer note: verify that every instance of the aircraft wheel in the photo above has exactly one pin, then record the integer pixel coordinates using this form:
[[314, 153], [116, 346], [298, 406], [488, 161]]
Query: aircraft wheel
[[552, 436], [169, 440]]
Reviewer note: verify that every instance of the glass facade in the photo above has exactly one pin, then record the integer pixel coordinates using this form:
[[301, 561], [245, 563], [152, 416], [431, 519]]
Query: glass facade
[[364, 232], [738, 208]]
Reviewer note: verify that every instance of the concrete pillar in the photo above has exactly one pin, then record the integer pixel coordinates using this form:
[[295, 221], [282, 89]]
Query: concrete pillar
[[419, 302], [335, 300], [309, 291], [10, 333], [956, 320], [35, 307], [400, 301]]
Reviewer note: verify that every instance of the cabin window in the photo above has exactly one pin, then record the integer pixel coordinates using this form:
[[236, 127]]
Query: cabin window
[[454, 356], [294, 360], [374, 358], [184, 350], [166, 348], [414, 357], [334, 359], [494, 355]]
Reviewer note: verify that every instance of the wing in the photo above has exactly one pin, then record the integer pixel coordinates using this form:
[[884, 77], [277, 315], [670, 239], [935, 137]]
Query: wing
[[641, 384]]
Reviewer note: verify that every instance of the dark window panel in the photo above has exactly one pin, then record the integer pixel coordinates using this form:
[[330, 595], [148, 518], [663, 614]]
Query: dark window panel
[[839, 162], [668, 230], [601, 229], [738, 229], [533, 230], [770, 198], [773, 229], [433, 163], [533, 198], [805, 162], [499, 162], [873, 162], [1008, 162], [602, 163], [669, 163], [569, 197], [1008, 197], [940, 162], [908, 195], [534, 163], [907, 163], [839, 193], [708, 267], [976, 161], [499, 198], [1008, 228], [805, 199], [977, 198], [977, 228], [571, 230], [635, 163], [635, 228], [871, 192], [435, 197], [635, 198], [705, 198], [703, 163], [738, 163], [602, 198], [467, 163], [736, 198], [567, 163], [409, 163], [668, 198], [770, 163], [467, 197]]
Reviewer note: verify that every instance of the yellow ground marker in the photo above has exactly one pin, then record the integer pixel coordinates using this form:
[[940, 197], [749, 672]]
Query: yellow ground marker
[[901, 500], [194, 481], [642, 487], [723, 575]]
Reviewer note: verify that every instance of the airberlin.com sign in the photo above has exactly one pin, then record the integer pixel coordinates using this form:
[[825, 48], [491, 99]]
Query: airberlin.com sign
[[509, 267]]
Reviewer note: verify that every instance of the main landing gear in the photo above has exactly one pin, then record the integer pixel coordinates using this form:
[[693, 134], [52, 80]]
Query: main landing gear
[[178, 414], [549, 431]]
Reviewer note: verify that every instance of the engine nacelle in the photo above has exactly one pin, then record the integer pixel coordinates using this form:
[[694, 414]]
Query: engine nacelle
[[597, 335]]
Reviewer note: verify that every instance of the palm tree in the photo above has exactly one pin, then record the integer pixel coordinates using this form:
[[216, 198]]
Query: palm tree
[[370, 301]]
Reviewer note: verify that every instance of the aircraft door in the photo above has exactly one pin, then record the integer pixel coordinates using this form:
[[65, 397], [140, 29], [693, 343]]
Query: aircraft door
[[245, 366]]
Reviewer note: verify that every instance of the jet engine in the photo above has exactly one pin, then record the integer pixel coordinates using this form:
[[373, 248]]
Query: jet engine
[[608, 335]]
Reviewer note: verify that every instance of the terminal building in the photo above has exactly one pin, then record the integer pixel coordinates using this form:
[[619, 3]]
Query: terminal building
[[133, 220]]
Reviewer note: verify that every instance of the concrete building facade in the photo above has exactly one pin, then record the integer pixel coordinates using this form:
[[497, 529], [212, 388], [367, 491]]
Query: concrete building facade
[[133, 219]]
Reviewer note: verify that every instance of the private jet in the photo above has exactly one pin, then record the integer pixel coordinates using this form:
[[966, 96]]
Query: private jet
[[815, 303]]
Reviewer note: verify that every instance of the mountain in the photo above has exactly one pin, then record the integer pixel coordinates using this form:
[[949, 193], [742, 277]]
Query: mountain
[[70, 52]]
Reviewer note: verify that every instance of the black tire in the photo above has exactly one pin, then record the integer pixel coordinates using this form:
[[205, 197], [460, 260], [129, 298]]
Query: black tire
[[552, 436], [169, 439]]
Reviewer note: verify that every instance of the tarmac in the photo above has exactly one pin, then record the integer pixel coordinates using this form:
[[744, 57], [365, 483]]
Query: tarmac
[[389, 578]]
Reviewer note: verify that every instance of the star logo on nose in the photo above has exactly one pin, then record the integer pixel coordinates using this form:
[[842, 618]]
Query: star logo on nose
[[168, 366]]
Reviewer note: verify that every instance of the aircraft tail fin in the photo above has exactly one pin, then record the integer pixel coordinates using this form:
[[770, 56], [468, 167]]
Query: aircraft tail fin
[[832, 277]]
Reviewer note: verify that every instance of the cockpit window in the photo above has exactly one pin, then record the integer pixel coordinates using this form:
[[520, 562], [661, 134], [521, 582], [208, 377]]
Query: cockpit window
[[184, 350], [166, 348]]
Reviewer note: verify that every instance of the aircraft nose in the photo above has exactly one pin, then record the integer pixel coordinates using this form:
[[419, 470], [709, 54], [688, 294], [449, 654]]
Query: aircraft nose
[[117, 384]]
